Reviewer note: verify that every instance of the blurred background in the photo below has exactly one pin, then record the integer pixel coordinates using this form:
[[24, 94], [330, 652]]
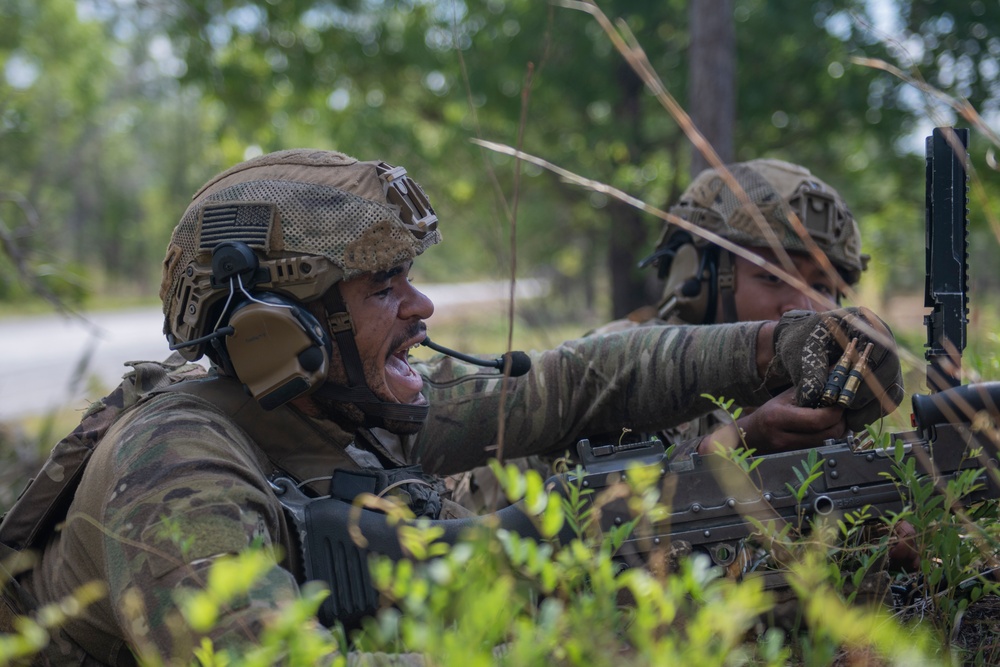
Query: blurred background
[[114, 112]]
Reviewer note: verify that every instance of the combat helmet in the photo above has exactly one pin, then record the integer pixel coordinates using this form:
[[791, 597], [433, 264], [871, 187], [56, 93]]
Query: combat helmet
[[272, 233], [698, 274]]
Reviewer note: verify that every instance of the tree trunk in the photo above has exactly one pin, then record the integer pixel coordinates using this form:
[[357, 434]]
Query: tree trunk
[[629, 228], [712, 77], [626, 241]]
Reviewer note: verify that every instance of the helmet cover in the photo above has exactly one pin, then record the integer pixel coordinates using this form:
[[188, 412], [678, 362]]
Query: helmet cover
[[313, 217], [776, 188]]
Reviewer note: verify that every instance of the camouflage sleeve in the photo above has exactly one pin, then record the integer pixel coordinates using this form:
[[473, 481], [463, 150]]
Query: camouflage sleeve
[[644, 378], [184, 487]]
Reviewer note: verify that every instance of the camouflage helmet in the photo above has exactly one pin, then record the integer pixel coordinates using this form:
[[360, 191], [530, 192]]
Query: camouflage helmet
[[312, 217], [775, 188]]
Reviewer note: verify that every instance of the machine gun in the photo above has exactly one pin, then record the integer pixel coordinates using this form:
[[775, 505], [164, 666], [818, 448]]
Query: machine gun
[[713, 504]]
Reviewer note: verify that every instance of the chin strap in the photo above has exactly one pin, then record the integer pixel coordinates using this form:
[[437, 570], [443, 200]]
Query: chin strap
[[727, 286], [376, 410]]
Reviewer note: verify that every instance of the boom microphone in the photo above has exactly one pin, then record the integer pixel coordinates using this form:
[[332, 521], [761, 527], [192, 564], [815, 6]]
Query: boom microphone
[[520, 363]]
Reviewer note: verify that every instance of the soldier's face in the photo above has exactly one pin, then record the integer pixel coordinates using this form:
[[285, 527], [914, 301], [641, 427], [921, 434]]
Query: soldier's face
[[388, 314], [762, 296]]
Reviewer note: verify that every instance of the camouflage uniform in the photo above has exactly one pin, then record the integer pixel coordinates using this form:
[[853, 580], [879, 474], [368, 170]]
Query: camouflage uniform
[[685, 437], [183, 477], [479, 491], [644, 379]]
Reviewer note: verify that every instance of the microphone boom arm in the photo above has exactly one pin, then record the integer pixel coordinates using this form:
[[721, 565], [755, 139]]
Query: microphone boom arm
[[520, 363]]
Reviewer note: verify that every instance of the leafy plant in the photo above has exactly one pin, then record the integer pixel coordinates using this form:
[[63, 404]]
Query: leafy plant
[[499, 598]]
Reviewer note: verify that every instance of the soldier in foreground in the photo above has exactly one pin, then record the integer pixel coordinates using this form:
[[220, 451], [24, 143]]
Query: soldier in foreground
[[291, 272]]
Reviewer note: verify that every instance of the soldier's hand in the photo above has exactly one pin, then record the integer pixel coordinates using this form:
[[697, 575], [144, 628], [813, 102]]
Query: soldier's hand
[[808, 344], [779, 425], [782, 425]]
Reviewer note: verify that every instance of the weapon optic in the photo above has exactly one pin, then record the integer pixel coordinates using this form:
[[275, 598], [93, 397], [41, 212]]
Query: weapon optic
[[947, 242]]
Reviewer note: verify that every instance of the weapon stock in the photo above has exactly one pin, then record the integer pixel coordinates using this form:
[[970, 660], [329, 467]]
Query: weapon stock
[[336, 538]]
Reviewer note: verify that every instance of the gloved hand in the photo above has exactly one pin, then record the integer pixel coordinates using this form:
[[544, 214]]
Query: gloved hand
[[808, 344]]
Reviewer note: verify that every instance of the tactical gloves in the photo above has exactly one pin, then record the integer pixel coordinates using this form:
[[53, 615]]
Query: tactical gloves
[[808, 344]]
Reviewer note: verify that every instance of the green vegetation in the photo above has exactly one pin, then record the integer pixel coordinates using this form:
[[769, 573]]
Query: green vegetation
[[114, 113], [501, 599]]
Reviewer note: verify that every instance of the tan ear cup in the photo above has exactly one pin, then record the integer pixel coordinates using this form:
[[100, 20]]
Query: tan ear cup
[[685, 293], [277, 349]]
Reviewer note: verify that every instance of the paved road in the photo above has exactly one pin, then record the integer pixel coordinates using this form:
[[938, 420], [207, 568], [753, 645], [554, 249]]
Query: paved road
[[47, 361]]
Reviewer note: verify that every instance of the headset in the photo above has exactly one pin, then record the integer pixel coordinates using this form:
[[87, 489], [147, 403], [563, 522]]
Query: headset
[[274, 346], [695, 278]]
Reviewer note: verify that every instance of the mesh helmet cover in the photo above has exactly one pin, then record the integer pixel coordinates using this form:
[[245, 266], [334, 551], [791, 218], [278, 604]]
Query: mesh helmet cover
[[316, 217], [776, 188]]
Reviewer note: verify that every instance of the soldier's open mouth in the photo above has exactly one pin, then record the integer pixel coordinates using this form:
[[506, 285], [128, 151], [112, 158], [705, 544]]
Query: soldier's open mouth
[[404, 383]]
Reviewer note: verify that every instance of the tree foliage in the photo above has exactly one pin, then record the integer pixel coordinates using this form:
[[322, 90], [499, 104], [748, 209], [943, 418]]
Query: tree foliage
[[113, 113]]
